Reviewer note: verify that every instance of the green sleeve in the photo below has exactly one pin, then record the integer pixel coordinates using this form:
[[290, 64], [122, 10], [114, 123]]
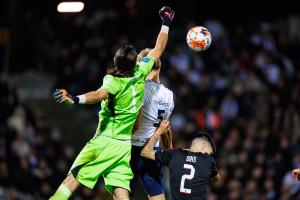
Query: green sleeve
[[146, 65], [110, 84]]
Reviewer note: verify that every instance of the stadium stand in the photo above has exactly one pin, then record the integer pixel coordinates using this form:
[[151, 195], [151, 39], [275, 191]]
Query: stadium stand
[[245, 91]]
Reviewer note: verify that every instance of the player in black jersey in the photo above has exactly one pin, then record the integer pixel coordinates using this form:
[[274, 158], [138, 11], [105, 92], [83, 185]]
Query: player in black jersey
[[191, 170]]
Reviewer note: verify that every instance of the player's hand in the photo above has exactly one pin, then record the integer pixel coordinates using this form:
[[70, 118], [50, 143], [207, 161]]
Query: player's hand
[[296, 174], [163, 128], [62, 96], [167, 15]]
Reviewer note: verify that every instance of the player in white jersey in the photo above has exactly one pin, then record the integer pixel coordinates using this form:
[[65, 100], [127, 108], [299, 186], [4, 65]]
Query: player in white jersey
[[158, 104]]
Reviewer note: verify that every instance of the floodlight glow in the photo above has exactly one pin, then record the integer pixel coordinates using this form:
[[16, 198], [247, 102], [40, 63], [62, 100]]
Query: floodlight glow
[[70, 7]]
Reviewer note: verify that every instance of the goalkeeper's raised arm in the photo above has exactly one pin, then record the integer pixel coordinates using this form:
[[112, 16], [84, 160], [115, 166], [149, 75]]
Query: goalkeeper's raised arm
[[62, 96], [167, 15]]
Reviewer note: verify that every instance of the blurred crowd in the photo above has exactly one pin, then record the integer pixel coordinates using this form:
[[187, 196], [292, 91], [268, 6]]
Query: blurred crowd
[[244, 90], [33, 158]]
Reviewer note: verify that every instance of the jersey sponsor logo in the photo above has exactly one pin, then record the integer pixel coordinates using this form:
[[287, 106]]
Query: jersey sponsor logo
[[146, 60], [191, 159], [161, 103]]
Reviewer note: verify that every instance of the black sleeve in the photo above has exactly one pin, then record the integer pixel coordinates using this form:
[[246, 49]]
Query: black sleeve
[[214, 168], [164, 156]]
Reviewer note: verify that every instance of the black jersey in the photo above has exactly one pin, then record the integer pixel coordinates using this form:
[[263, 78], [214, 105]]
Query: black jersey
[[190, 173]]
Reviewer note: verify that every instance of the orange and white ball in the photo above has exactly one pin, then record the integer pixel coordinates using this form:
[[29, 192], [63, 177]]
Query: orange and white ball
[[198, 38]]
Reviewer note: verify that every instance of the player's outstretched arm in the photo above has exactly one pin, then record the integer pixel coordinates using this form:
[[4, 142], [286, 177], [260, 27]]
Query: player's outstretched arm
[[62, 96], [148, 150], [167, 15]]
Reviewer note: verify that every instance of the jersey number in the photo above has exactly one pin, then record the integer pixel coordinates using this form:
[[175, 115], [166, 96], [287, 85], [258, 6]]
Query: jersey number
[[159, 116], [187, 176]]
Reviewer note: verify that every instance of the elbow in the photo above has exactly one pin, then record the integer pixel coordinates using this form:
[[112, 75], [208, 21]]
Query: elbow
[[100, 95], [160, 49], [144, 153]]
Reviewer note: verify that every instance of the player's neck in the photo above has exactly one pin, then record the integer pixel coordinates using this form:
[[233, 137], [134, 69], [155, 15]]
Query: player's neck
[[154, 76]]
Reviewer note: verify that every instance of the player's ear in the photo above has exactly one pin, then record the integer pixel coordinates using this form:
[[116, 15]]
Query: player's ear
[[211, 151]]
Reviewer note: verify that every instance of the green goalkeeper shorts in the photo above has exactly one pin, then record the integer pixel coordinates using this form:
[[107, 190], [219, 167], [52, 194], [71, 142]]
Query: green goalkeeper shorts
[[107, 157]]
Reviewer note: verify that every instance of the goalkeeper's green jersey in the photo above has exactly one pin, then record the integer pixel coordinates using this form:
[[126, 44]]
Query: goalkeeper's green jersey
[[119, 112]]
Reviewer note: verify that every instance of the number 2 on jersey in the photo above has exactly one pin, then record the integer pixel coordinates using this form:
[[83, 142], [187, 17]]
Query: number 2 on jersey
[[159, 116], [187, 176]]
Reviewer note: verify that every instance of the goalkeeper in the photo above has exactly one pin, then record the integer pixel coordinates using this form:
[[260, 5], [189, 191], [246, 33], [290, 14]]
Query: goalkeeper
[[108, 153]]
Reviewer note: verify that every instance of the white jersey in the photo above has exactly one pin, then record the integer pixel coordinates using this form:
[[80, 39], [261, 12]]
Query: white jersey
[[158, 104]]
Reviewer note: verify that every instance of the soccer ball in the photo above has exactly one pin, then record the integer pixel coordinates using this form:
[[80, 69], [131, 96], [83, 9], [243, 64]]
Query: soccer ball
[[198, 38]]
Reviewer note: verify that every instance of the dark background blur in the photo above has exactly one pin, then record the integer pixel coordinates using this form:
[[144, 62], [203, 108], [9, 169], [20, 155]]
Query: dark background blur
[[244, 90]]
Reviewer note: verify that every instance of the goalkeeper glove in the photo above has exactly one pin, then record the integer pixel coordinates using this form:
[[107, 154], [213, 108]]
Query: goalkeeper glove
[[62, 96], [166, 14]]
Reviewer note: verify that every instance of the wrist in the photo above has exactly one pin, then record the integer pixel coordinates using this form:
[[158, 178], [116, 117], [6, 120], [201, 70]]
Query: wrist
[[75, 99], [166, 23], [164, 29], [81, 99]]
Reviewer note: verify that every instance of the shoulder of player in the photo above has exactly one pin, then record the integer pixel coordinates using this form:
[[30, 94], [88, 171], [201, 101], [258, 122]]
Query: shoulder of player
[[166, 90], [206, 155], [212, 158], [182, 151], [207, 158], [109, 77], [148, 82], [171, 150], [170, 92], [151, 84]]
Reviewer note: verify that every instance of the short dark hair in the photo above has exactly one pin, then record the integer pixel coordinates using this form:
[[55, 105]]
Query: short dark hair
[[206, 137], [125, 58]]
